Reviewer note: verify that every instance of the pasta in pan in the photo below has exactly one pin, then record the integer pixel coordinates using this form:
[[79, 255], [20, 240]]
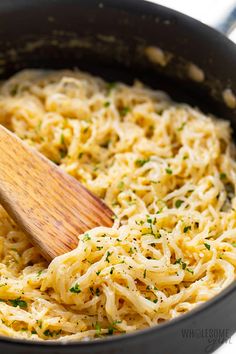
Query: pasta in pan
[[168, 172]]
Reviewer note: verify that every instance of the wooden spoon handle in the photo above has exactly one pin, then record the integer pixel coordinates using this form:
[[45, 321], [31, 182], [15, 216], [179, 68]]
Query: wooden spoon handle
[[52, 207]]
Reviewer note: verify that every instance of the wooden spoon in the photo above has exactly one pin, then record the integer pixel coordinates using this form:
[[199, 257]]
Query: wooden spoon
[[50, 206]]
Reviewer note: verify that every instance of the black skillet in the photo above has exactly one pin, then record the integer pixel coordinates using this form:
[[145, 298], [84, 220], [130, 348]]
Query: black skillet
[[108, 38]]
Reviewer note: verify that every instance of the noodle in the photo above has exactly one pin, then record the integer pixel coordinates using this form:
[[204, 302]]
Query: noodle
[[167, 171]]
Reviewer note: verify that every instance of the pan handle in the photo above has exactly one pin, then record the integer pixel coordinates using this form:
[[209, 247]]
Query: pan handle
[[227, 24]]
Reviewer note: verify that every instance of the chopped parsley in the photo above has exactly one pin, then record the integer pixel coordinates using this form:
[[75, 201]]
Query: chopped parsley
[[62, 139], [186, 228], [39, 272], [107, 257], [207, 246], [145, 273], [86, 237], [169, 171], [107, 104], [178, 261], [98, 328], [112, 270], [18, 302], [141, 162], [183, 265], [178, 203], [97, 292], [131, 251], [98, 272], [181, 127], [99, 248], [139, 222], [234, 244], [75, 289], [189, 270], [48, 333], [80, 155], [124, 111], [223, 176], [111, 330]]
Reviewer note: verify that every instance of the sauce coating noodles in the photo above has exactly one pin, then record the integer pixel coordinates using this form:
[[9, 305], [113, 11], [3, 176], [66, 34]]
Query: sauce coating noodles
[[168, 172]]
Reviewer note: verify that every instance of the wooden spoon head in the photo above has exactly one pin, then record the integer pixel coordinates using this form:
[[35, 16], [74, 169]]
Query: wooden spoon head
[[52, 207]]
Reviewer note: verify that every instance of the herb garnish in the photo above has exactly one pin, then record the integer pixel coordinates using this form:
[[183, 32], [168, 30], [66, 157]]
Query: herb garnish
[[39, 272], [223, 176], [189, 270], [112, 270], [131, 251], [18, 302], [62, 139], [181, 127], [98, 328], [141, 162], [48, 333], [178, 203], [183, 265], [187, 228], [169, 171], [86, 237], [207, 246], [75, 289], [124, 111], [107, 257]]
